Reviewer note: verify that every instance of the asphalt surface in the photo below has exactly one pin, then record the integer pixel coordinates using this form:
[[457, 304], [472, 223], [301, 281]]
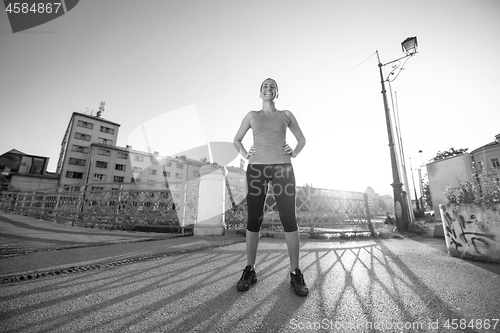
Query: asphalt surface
[[109, 281]]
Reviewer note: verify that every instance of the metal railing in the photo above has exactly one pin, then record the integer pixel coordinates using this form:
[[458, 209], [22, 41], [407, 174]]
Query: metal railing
[[175, 208], [170, 209], [315, 209]]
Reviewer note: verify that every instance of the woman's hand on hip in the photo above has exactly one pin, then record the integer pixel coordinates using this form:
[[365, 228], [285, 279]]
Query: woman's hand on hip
[[289, 150], [251, 152]]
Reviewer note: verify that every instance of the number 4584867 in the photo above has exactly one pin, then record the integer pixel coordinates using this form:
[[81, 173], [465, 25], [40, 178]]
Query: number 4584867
[[454, 324], [36, 8]]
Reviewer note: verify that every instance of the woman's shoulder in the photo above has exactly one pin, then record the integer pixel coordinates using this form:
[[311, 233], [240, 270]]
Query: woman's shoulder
[[252, 114]]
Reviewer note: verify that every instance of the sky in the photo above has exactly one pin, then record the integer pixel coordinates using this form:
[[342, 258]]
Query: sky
[[178, 74]]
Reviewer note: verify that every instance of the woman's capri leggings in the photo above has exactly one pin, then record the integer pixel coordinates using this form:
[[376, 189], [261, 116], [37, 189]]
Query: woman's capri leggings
[[282, 181]]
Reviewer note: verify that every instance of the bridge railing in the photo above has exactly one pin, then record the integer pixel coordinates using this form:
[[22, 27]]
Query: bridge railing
[[169, 209], [175, 208], [315, 208]]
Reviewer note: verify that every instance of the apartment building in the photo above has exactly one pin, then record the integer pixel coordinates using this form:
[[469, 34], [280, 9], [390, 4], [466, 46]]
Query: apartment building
[[82, 146]]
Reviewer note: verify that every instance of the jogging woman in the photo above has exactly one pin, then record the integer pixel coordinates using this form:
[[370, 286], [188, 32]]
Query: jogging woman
[[270, 162]]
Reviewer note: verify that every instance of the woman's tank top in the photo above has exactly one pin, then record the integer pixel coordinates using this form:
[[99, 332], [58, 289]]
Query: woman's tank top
[[269, 136]]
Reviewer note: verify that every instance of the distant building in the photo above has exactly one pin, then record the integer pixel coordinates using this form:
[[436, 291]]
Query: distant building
[[379, 204], [87, 141], [487, 158], [89, 156], [24, 172]]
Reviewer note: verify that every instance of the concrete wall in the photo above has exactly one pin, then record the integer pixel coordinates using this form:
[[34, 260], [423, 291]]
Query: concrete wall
[[472, 232], [30, 183], [447, 173]]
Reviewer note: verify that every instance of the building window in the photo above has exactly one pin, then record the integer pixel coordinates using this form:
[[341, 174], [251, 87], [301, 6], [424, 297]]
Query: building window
[[120, 167], [138, 180], [180, 166], [104, 152], [151, 182], [132, 180], [153, 160], [480, 166], [166, 174], [76, 161], [81, 136], [152, 172], [495, 163], [138, 158], [105, 141], [137, 169], [178, 175], [196, 173], [75, 175], [101, 164], [107, 130], [97, 188], [80, 149], [72, 188], [169, 164], [118, 179], [99, 176], [122, 155], [85, 124]]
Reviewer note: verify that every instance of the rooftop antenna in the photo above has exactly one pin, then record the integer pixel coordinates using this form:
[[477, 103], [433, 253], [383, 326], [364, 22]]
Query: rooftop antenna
[[101, 109], [91, 111]]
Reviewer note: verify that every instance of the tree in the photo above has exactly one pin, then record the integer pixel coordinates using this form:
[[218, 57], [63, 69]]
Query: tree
[[441, 155], [427, 194]]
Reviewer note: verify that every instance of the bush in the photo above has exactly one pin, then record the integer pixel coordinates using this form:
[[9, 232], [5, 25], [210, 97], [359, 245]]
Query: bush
[[480, 189]]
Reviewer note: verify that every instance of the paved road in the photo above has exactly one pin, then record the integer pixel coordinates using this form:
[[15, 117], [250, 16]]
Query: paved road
[[20, 235], [355, 286]]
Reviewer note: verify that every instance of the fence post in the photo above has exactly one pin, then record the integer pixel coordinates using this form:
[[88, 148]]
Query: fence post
[[368, 218], [181, 216], [44, 196], [58, 197], [118, 204], [23, 202], [311, 209], [80, 205]]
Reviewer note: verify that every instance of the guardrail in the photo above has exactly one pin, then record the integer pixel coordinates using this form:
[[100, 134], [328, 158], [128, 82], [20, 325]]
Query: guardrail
[[167, 210], [316, 208], [175, 209]]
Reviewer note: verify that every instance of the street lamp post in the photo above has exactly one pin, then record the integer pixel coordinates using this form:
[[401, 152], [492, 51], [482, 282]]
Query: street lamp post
[[409, 46], [420, 181], [420, 212]]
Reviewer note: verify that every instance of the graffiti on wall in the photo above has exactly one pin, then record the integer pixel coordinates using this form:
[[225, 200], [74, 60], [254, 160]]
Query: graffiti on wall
[[472, 233]]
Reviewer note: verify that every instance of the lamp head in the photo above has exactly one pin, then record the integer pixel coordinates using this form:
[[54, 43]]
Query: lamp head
[[409, 45]]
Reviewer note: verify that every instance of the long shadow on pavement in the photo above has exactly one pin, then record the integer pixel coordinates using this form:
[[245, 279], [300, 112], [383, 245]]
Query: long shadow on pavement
[[352, 286]]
